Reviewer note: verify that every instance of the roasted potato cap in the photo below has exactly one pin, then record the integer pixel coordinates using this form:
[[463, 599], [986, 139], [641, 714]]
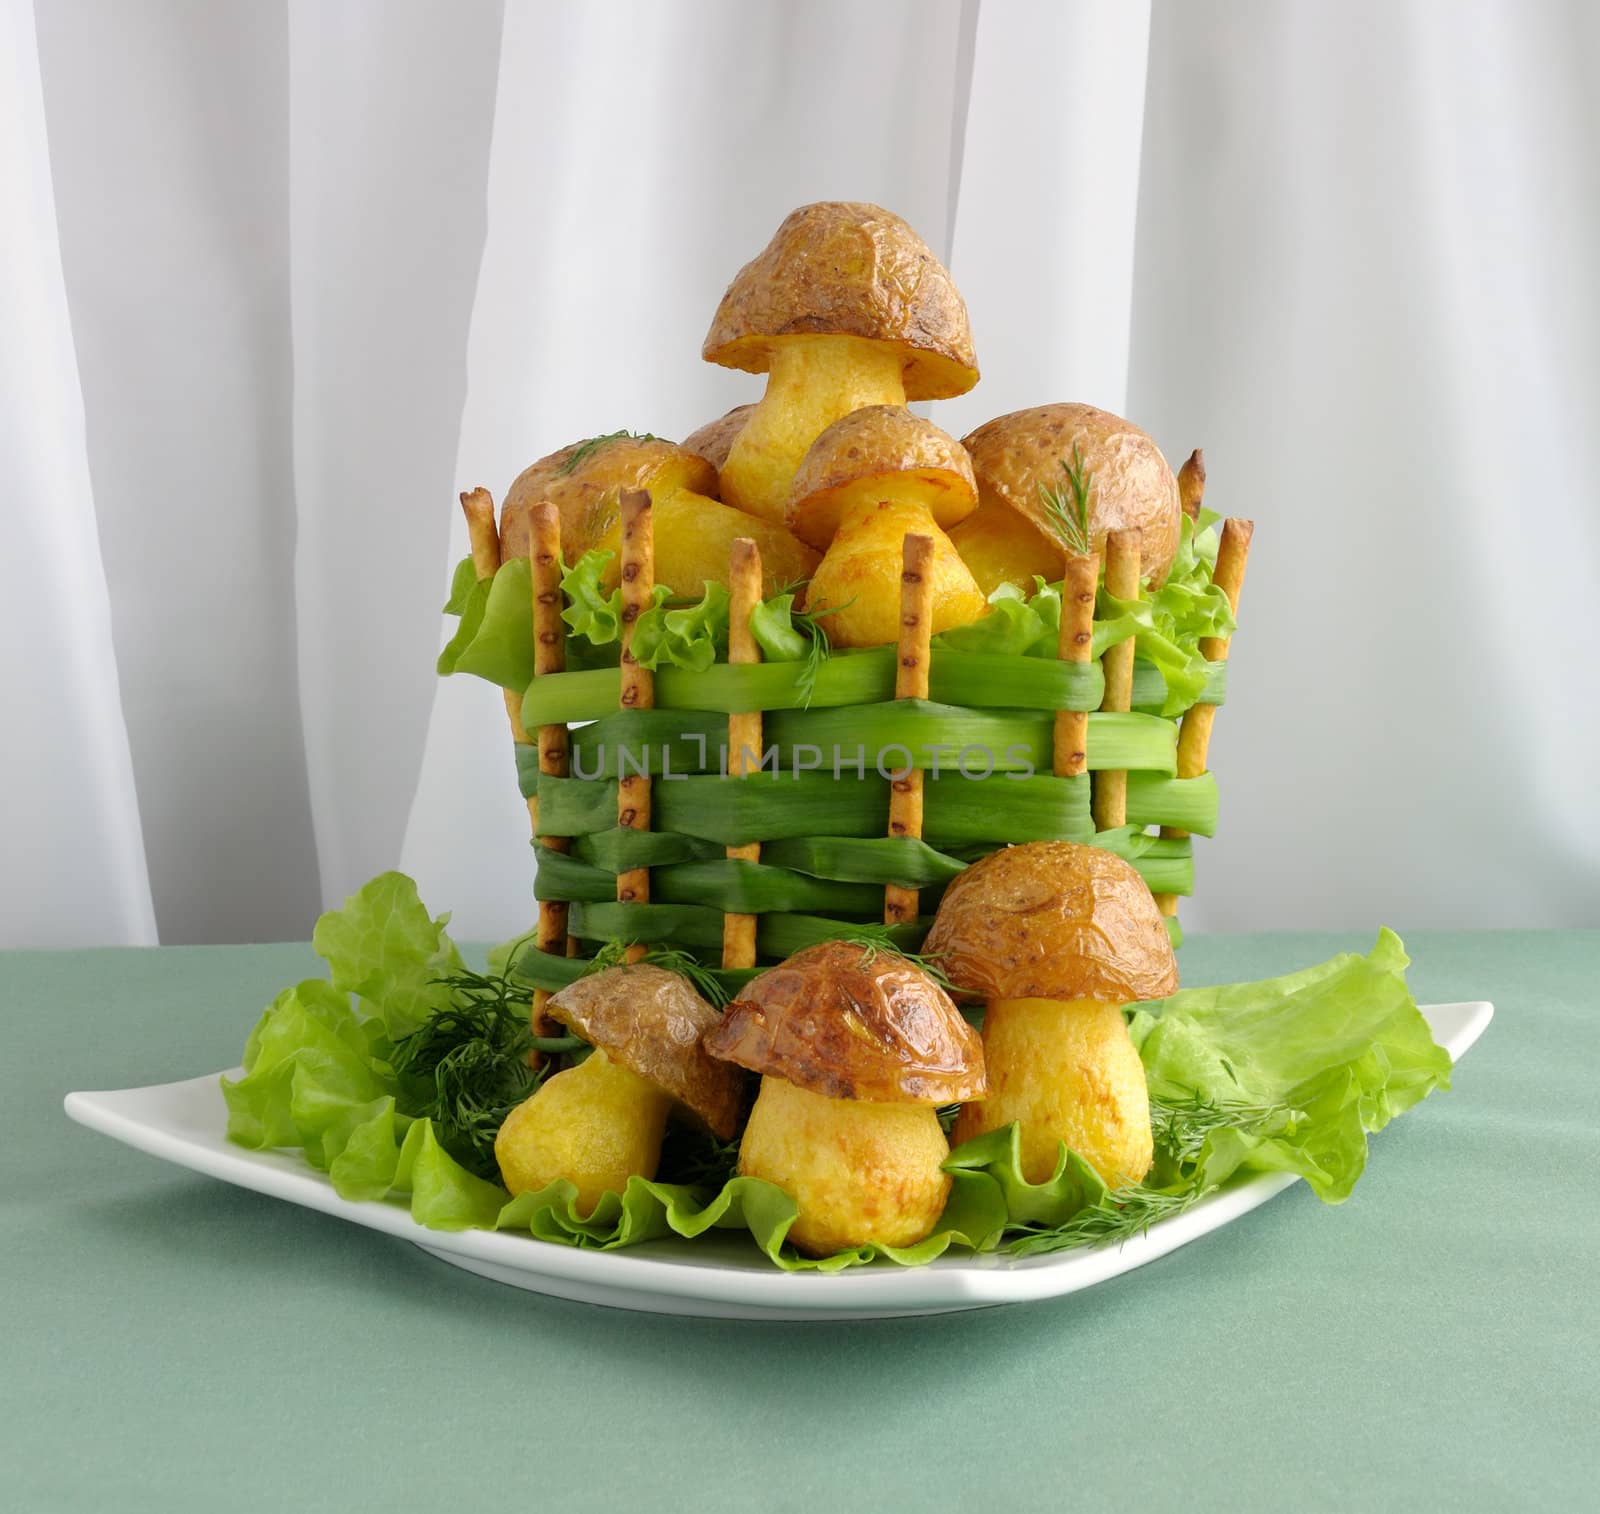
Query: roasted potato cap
[[714, 440], [873, 448], [576, 478], [844, 1021], [1017, 454], [652, 1021], [843, 268], [1053, 920]]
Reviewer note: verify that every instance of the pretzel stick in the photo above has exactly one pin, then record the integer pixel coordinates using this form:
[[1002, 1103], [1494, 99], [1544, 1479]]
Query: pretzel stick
[[1192, 483], [744, 729], [549, 656], [1194, 735], [638, 684], [1122, 581], [1076, 645], [910, 682]]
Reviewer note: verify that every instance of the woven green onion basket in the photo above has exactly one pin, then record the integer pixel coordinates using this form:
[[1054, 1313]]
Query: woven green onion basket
[[739, 808]]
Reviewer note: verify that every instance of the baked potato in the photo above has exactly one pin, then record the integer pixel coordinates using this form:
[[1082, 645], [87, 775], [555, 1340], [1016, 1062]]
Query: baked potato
[[861, 576], [845, 307], [602, 1122], [1056, 938], [856, 1049], [1024, 462], [858, 1172], [1066, 1072]]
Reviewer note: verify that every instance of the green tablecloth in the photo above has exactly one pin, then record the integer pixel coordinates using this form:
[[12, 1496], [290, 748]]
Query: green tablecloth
[[171, 1343]]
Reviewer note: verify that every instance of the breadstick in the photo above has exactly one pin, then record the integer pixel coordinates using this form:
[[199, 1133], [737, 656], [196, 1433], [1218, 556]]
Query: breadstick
[[1122, 581], [744, 729], [549, 656], [1192, 483], [910, 682], [1194, 735], [638, 684], [1076, 644]]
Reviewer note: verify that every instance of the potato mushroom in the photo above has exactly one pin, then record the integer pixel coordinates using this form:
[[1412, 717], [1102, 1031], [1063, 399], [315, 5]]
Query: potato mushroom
[[866, 482], [855, 1048], [601, 1122], [1022, 464], [715, 439], [693, 531], [845, 307], [1056, 938]]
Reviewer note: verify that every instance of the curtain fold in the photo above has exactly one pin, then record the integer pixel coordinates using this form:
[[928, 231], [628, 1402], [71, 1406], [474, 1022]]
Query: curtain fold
[[289, 276]]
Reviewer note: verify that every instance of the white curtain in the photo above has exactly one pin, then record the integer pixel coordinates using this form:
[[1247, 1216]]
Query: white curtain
[[278, 279]]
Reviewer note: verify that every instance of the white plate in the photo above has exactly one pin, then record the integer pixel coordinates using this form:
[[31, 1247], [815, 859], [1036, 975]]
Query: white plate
[[721, 1275]]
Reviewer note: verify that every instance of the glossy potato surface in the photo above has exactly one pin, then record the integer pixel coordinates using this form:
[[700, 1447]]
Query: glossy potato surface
[[879, 452], [858, 1172], [1131, 484], [1053, 920], [652, 1022], [1068, 1073], [1001, 547], [596, 1125], [861, 571], [693, 536], [576, 478], [847, 268], [840, 1020], [715, 439]]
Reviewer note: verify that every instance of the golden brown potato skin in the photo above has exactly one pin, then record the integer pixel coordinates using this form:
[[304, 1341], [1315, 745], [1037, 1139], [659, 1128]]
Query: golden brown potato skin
[[1000, 547], [714, 439], [1067, 1072], [596, 1125], [845, 268], [693, 536], [574, 487], [651, 1021], [862, 569], [1132, 486], [859, 455], [857, 1172], [1053, 920], [847, 1023]]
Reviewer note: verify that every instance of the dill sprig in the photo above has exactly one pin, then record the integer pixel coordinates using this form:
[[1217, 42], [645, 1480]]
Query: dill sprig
[[1119, 1217], [1181, 1127], [466, 1066], [587, 449], [1066, 506], [809, 624], [874, 939], [706, 983]]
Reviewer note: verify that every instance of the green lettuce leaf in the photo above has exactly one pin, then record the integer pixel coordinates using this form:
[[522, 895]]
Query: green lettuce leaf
[[1342, 1045], [462, 582], [384, 947], [772, 625], [691, 636]]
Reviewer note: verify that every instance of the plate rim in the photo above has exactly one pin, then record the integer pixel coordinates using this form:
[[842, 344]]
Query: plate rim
[[963, 1280]]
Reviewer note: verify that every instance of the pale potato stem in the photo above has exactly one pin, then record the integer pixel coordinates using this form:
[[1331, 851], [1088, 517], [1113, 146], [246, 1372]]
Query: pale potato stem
[[638, 684], [1122, 580], [549, 656], [1194, 735], [910, 682], [744, 728], [1075, 645]]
